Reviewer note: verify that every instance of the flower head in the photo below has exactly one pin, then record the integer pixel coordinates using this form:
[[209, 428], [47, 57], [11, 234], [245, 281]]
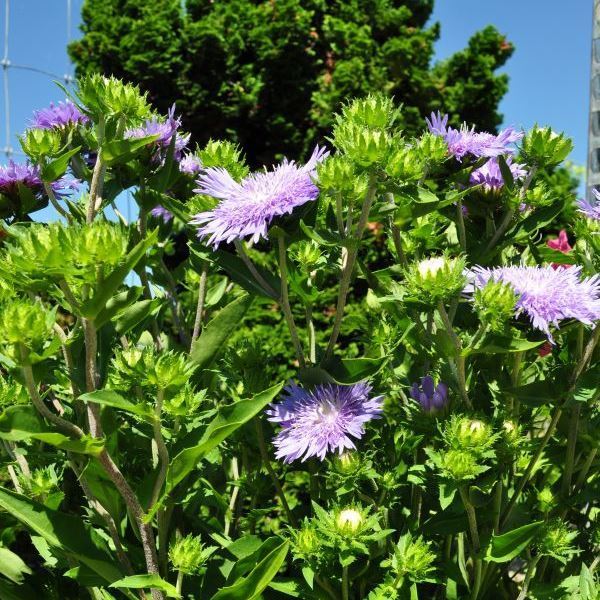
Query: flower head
[[547, 296], [190, 164], [591, 209], [490, 175], [247, 208], [59, 115], [322, 420], [160, 212], [14, 174], [465, 141], [165, 130], [428, 395]]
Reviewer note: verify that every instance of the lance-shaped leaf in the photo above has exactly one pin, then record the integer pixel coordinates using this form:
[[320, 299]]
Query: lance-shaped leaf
[[137, 582], [57, 167], [123, 150], [115, 400], [12, 565], [110, 284], [66, 532], [218, 330], [505, 547], [493, 343]]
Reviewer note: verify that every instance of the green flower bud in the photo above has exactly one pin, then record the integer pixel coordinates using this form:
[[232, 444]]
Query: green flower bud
[[170, 370], [226, 155], [495, 304], [473, 434], [11, 393], [100, 242], [26, 322], [433, 148], [306, 541], [511, 432], [437, 278], [545, 499], [544, 147], [188, 554], [42, 482], [376, 111], [40, 143], [308, 255], [539, 195], [347, 463], [460, 465], [412, 558], [349, 521], [336, 174], [556, 541], [364, 146], [185, 402], [405, 164]]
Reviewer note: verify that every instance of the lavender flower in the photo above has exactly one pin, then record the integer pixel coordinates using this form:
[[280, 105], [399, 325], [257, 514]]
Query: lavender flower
[[429, 396], [14, 174], [246, 209], [165, 130], [58, 115], [591, 209], [490, 175], [465, 141], [321, 420], [160, 212], [190, 164], [546, 295]]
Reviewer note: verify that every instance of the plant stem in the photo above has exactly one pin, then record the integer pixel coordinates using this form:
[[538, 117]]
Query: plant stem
[[97, 182], [200, 305], [175, 304], [326, 586], [460, 225], [260, 436], [528, 576], [285, 303], [52, 197], [474, 533], [345, 583], [349, 265], [570, 457], [179, 584], [497, 505], [163, 453], [585, 469], [91, 376], [239, 246], [67, 357]]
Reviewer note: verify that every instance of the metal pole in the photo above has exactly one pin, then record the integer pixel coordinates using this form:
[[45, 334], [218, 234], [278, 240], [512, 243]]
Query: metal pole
[[593, 159]]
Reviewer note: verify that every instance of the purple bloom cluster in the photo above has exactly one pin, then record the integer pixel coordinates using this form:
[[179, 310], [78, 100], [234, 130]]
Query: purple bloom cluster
[[14, 174], [321, 420], [160, 212], [428, 395], [190, 164], [247, 208], [546, 295], [465, 141], [490, 175], [63, 114], [591, 209], [165, 130]]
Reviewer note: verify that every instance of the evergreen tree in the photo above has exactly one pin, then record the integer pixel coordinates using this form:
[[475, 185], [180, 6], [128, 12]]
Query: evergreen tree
[[271, 73]]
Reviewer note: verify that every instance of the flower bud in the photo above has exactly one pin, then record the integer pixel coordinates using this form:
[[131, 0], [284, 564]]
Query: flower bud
[[460, 465], [495, 304], [100, 242], [545, 499], [336, 174], [436, 278], [413, 558], [544, 147], [405, 164], [306, 541], [364, 146], [170, 370], [225, 155], [433, 148], [26, 322], [41, 482], [40, 143], [347, 463], [308, 255], [188, 554], [432, 398], [511, 432], [556, 541], [349, 521], [376, 111]]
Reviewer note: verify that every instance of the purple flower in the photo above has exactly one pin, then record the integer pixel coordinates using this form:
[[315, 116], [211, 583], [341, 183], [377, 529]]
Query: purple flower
[[165, 130], [246, 209], [465, 141], [62, 114], [321, 420], [190, 164], [429, 396], [160, 212], [490, 175], [589, 209], [14, 174], [546, 295]]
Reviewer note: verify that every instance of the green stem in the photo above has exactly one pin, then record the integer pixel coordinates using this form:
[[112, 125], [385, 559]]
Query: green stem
[[570, 457], [528, 576], [163, 453], [345, 583], [59, 209], [200, 305], [97, 182], [474, 533], [349, 265], [285, 303], [239, 246], [179, 584], [460, 225]]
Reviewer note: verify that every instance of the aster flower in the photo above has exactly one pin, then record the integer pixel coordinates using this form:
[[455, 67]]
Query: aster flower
[[58, 115], [247, 208], [160, 212], [465, 141], [428, 395], [14, 174], [490, 175], [561, 244], [165, 130], [322, 420], [547, 296], [591, 209], [190, 164]]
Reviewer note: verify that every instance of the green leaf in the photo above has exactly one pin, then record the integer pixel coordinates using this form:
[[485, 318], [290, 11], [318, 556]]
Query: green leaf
[[252, 586], [123, 150], [99, 300], [493, 343], [550, 255], [66, 532], [507, 176], [323, 237], [505, 547], [133, 315], [12, 565], [22, 422], [218, 330], [114, 400], [447, 493], [11, 591], [351, 370], [116, 304], [57, 167], [535, 393], [229, 419], [137, 582]]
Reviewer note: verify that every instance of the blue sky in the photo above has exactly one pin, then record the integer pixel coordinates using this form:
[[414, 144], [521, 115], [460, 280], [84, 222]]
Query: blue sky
[[549, 71]]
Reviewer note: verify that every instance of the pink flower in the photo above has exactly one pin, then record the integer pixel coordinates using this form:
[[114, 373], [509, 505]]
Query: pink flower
[[545, 349], [561, 244]]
